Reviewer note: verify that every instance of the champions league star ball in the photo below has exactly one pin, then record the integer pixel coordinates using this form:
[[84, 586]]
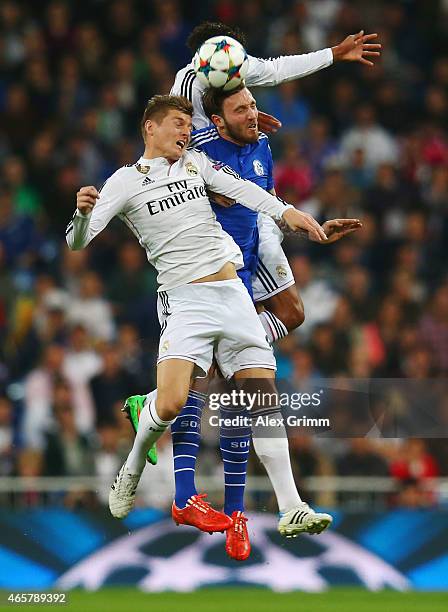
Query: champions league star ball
[[221, 62]]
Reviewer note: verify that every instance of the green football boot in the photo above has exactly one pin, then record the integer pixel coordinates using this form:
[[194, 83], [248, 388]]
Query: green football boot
[[132, 407]]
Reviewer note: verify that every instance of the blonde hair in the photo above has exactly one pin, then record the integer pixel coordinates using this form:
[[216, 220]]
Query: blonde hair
[[158, 106]]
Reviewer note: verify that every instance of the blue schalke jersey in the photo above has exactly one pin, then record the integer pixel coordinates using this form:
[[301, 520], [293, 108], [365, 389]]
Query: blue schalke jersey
[[254, 163]]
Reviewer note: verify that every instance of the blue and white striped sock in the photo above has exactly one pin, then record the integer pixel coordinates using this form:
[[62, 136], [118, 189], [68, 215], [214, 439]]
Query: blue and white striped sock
[[235, 445], [186, 435]]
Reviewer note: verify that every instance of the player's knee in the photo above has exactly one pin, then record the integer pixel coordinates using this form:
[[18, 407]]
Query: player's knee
[[170, 404], [294, 315]]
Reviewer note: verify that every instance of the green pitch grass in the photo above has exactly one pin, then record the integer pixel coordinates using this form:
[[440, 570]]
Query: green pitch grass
[[259, 600]]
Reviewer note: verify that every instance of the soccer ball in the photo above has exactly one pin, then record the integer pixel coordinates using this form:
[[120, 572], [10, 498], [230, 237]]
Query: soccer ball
[[221, 62]]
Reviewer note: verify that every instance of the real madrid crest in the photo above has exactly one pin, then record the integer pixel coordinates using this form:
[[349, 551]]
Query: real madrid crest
[[281, 271], [142, 169], [191, 169], [165, 346]]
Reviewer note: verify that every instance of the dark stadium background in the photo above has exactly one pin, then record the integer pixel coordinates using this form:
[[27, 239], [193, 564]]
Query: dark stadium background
[[78, 330]]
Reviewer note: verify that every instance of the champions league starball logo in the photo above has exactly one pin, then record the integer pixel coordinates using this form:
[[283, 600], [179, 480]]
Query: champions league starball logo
[[163, 557]]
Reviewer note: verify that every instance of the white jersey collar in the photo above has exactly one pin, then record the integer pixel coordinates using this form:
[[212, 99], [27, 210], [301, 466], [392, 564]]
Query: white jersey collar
[[154, 162]]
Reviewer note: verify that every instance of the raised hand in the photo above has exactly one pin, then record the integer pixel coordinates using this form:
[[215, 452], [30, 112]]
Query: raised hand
[[86, 199], [356, 48]]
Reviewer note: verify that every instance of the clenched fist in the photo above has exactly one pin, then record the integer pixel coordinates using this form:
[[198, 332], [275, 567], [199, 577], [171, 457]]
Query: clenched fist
[[86, 199]]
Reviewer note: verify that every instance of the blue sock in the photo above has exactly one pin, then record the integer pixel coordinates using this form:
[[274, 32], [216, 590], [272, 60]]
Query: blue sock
[[235, 445], [186, 434]]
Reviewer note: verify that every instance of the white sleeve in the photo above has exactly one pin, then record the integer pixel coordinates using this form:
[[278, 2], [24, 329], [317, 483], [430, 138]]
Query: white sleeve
[[269, 72], [83, 228], [222, 179]]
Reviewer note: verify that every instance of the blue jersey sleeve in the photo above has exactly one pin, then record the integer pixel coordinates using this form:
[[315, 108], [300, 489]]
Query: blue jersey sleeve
[[270, 181]]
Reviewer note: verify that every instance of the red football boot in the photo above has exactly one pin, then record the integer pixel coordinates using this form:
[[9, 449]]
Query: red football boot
[[200, 514], [237, 538]]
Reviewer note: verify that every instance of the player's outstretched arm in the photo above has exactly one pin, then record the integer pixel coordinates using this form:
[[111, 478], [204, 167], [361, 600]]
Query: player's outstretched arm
[[357, 48], [269, 72], [93, 212], [221, 179], [334, 229]]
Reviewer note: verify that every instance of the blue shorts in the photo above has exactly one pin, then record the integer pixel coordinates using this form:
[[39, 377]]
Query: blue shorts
[[246, 276], [250, 256]]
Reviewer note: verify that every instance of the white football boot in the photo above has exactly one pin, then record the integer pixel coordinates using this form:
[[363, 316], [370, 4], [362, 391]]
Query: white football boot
[[122, 493], [303, 519]]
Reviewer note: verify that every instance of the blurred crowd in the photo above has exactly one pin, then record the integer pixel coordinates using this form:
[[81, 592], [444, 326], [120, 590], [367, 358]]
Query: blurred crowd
[[78, 330]]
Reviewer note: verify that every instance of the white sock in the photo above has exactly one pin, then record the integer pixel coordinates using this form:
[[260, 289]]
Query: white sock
[[273, 453], [151, 396], [274, 328], [150, 428]]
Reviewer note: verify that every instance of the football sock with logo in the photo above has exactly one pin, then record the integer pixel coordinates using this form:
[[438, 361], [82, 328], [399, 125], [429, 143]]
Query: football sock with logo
[[150, 428], [186, 435], [234, 442], [271, 445], [274, 328]]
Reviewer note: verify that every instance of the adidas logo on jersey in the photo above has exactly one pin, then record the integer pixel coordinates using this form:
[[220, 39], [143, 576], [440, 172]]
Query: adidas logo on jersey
[[147, 181]]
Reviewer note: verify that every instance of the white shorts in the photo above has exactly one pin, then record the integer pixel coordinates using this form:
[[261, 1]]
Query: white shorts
[[273, 271], [202, 320]]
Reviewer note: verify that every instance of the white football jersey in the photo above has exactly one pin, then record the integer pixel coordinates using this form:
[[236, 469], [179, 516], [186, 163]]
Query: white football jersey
[[260, 73], [166, 207]]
